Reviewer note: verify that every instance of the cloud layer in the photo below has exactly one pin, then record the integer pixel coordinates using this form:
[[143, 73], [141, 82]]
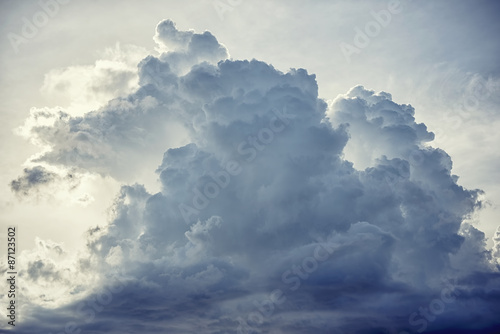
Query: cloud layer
[[261, 225]]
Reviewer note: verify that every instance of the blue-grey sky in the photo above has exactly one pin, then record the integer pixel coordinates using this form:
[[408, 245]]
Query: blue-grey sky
[[235, 166]]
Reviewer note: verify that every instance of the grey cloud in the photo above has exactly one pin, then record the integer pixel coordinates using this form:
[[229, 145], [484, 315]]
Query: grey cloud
[[38, 177], [168, 35], [183, 49], [40, 269], [272, 204], [32, 177]]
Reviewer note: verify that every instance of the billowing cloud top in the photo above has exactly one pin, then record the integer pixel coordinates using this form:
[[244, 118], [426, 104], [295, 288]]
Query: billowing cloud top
[[261, 224]]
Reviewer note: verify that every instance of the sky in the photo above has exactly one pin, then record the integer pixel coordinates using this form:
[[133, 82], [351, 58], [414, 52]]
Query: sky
[[236, 166]]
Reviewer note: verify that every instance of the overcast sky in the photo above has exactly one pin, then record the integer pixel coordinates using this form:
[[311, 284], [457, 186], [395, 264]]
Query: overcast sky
[[236, 166]]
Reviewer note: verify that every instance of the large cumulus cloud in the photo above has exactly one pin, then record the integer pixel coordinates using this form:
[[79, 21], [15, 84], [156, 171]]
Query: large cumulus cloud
[[261, 223]]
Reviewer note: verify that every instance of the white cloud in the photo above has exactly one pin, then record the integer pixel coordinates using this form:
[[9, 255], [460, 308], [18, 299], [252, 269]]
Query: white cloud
[[80, 89]]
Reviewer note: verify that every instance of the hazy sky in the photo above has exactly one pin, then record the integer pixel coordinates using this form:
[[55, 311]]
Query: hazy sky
[[198, 159]]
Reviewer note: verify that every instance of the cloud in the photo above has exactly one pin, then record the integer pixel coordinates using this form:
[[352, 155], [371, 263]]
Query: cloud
[[80, 89], [377, 122], [38, 179], [51, 276], [32, 177], [261, 223], [183, 49], [496, 247]]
